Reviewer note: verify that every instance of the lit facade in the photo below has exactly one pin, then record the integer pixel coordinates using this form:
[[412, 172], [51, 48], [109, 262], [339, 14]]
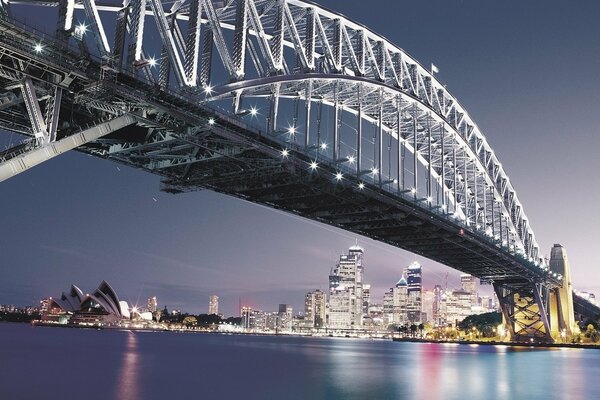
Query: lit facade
[[152, 304], [213, 305], [346, 291], [314, 309], [414, 281]]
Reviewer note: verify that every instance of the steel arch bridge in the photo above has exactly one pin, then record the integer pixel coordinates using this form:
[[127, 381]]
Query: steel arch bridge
[[279, 102]]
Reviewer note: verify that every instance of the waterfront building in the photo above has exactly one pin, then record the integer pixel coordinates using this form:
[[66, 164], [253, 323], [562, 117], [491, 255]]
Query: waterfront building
[[346, 291], [152, 304], [213, 305], [285, 318], [314, 309], [458, 306], [415, 288]]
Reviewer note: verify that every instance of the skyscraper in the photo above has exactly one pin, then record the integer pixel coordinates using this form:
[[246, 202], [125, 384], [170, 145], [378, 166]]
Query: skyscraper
[[213, 304], [346, 291], [152, 304], [314, 309], [469, 284], [415, 289]]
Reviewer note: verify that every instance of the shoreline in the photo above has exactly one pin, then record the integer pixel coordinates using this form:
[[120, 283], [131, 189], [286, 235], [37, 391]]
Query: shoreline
[[496, 343], [394, 339]]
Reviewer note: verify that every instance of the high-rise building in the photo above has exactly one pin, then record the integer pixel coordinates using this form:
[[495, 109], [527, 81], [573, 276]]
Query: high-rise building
[[213, 305], [458, 306], [285, 317], [395, 303], [428, 300], [366, 298], [415, 288], [152, 304], [438, 317], [469, 284], [346, 291], [314, 309]]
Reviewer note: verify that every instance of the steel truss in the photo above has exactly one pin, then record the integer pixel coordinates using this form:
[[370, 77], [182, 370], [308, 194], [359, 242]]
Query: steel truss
[[525, 310], [353, 132]]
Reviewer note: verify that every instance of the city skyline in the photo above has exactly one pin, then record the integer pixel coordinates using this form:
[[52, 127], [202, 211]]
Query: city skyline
[[68, 217]]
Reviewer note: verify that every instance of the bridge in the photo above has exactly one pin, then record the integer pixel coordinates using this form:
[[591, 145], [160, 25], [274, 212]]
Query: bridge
[[282, 103]]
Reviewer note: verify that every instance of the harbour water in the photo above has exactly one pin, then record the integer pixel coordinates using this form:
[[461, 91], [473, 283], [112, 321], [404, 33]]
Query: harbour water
[[56, 363]]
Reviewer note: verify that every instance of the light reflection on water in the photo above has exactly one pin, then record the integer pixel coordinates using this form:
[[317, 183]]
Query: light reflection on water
[[128, 380], [91, 364]]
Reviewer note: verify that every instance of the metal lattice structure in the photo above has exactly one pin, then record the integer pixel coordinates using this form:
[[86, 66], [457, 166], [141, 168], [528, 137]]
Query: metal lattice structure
[[279, 102]]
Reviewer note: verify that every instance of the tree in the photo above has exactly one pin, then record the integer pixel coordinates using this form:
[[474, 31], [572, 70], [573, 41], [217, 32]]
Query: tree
[[484, 323], [413, 329], [190, 321], [592, 333], [421, 327]]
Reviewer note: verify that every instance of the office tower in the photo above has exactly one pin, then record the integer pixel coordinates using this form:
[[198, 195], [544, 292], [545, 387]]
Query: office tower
[[314, 309], [428, 300], [346, 291], [366, 298], [285, 318], [415, 289], [437, 316], [152, 304], [469, 284], [458, 306], [213, 305]]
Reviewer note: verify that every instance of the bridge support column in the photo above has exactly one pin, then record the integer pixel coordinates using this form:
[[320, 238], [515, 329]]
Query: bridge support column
[[562, 314], [524, 311]]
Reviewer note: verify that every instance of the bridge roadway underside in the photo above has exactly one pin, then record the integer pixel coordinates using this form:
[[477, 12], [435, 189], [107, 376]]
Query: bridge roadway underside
[[237, 161]]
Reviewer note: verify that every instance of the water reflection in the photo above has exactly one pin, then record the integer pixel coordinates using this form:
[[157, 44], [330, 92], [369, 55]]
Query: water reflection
[[128, 383]]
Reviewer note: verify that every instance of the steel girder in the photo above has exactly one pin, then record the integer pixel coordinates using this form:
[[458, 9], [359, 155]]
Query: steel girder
[[286, 51], [289, 41], [525, 310]]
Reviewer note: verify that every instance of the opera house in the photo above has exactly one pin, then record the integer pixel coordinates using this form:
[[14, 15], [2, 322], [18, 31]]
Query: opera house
[[102, 307]]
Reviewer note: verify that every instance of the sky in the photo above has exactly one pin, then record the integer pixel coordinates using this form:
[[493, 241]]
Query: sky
[[527, 72]]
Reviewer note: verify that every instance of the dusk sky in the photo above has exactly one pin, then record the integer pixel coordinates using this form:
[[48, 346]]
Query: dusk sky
[[527, 72]]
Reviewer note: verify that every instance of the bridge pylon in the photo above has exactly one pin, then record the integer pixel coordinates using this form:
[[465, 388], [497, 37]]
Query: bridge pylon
[[535, 310], [562, 315]]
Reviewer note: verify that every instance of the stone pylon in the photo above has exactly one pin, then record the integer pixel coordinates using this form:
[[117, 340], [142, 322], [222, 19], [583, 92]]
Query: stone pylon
[[562, 315]]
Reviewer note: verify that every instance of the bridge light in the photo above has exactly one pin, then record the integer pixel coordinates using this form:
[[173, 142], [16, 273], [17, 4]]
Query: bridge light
[[81, 29], [361, 186], [285, 153], [211, 121], [429, 199], [313, 165], [395, 181], [444, 207], [351, 159], [374, 170], [323, 146], [253, 111], [292, 130], [38, 48], [413, 191], [338, 176], [208, 89], [152, 62]]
